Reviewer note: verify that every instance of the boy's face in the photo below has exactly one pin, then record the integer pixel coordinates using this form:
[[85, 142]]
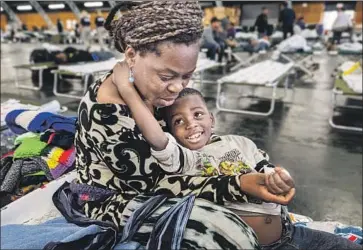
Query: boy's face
[[190, 122]]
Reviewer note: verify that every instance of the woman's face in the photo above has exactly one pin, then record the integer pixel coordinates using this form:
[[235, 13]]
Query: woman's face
[[160, 77]]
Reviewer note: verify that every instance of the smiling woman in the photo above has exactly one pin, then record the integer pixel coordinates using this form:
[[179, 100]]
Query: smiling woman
[[161, 44]]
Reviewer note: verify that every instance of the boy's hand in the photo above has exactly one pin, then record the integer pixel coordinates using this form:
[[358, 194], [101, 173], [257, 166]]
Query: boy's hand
[[280, 182], [120, 76], [254, 184]]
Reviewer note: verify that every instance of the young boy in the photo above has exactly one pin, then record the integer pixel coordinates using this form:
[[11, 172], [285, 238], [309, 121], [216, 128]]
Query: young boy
[[191, 124], [196, 151]]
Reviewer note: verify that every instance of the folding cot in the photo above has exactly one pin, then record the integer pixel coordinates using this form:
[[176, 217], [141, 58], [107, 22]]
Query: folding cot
[[303, 60], [296, 49], [267, 73], [239, 54], [40, 67], [203, 64], [348, 51], [241, 59], [82, 70], [87, 70], [348, 84]]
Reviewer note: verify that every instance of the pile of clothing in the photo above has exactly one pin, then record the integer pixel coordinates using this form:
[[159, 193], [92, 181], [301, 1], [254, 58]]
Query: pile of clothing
[[294, 43], [43, 151]]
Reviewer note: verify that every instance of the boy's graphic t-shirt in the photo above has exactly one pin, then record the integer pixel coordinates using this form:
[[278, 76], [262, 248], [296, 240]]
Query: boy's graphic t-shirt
[[224, 155]]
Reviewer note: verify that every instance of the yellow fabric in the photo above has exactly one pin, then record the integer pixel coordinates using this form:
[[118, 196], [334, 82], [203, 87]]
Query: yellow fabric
[[352, 69], [54, 156]]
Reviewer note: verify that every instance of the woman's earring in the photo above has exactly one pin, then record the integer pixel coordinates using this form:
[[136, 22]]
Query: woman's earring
[[131, 76]]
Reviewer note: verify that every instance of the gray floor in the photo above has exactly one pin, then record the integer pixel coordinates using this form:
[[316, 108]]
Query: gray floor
[[326, 163]]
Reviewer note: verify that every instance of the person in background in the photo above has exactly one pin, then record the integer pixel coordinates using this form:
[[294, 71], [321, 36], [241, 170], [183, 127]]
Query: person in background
[[225, 22], [24, 27], [342, 23], [60, 30], [231, 31], [86, 29], [77, 33], [99, 21], [213, 39], [301, 23], [286, 19], [262, 23]]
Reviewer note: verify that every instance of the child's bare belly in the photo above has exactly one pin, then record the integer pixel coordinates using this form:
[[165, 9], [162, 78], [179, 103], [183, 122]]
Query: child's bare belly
[[268, 228]]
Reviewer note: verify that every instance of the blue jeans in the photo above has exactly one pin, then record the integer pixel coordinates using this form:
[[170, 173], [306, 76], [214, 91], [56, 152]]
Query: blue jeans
[[212, 50], [305, 238]]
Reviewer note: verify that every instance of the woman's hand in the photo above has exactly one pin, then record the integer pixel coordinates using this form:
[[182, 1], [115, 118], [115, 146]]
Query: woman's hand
[[254, 184], [279, 182]]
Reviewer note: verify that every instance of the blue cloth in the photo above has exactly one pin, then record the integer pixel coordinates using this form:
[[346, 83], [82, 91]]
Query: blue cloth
[[352, 233], [56, 230], [37, 236], [301, 237], [101, 55], [41, 122]]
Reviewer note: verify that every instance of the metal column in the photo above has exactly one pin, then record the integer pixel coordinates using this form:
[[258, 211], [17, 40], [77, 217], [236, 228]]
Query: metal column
[[11, 13], [41, 11], [74, 9], [219, 4]]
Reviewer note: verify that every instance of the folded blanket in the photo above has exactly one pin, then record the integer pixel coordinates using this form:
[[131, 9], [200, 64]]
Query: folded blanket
[[293, 44], [58, 160], [21, 121], [21, 168], [20, 138], [30, 147], [62, 139]]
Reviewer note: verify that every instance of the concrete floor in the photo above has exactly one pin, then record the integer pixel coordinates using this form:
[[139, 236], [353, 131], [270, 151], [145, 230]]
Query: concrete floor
[[325, 163]]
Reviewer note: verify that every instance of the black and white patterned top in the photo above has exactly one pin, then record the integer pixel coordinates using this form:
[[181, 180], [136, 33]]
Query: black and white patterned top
[[112, 153]]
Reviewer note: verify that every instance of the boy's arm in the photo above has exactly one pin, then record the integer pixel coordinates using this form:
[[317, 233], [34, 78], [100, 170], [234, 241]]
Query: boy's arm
[[177, 159], [171, 156], [145, 120]]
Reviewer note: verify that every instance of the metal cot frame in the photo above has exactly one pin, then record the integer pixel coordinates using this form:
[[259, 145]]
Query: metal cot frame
[[40, 67], [274, 97], [337, 91]]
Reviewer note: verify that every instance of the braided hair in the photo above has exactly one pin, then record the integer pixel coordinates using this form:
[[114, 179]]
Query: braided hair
[[143, 25]]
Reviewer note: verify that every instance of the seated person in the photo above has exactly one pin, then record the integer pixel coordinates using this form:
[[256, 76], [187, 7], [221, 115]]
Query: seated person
[[213, 39], [206, 154], [257, 45], [231, 31], [301, 23]]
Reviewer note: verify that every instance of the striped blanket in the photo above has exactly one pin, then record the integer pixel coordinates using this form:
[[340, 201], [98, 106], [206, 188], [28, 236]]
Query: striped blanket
[[21, 121]]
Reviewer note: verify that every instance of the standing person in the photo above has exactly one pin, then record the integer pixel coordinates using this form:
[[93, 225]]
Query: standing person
[[160, 41], [99, 22], [213, 39], [286, 19], [60, 30], [86, 29], [262, 23], [341, 24]]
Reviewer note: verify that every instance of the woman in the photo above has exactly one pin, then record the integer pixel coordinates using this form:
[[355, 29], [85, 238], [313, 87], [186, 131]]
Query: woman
[[161, 45]]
